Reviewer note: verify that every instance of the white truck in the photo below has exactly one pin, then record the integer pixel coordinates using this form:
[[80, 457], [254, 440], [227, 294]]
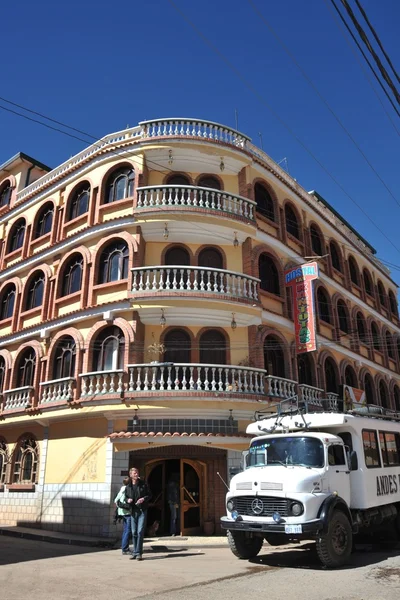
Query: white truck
[[323, 475]]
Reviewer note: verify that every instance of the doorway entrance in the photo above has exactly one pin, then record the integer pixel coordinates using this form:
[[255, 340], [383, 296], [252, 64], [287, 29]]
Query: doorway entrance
[[189, 477]]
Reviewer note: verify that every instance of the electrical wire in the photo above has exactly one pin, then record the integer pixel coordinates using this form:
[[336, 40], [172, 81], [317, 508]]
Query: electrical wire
[[322, 98]]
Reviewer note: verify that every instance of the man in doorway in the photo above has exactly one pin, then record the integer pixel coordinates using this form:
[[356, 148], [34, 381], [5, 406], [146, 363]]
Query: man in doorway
[[173, 502], [137, 495]]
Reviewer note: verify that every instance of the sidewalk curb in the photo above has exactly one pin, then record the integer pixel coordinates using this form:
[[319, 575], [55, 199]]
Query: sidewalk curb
[[54, 539]]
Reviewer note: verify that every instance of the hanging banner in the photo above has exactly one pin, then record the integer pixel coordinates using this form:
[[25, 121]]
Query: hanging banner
[[353, 398], [300, 280]]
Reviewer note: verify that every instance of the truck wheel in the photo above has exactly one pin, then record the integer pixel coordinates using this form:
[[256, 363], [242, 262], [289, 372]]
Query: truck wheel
[[334, 547], [276, 539], [244, 545]]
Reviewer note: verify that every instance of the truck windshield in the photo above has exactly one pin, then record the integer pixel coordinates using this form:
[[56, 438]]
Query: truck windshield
[[289, 451]]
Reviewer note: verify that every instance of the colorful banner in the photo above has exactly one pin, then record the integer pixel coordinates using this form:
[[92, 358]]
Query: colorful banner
[[299, 279]]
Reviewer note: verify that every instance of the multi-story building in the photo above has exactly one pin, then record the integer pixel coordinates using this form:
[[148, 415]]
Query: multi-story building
[[144, 319]]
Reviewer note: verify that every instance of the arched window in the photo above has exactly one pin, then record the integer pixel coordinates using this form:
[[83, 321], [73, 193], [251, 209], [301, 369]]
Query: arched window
[[109, 348], [2, 373], [316, 241], [305, 369], [120, 185], [64, 358], [292, 223], [369, 389], [177, 256], [269, 275], [354, 275], [213, 348], [72, 275], [396, 397], [323, 305], [350, 377], [177, 346], [376, 341], [5, 195], [79, 203], [178, 180], [44, 220], [265, 204], [393, 304], [367, 283], [34, 296], [7, 302], [335, 256], [390, 345], [211, 257], [331, 380], [274, 356], [17, 235], [114, 262], [383, 394], [361, 328], [208, 181], [3, 461], [26, 368], [381, 294], [26, 463], [342, 316]]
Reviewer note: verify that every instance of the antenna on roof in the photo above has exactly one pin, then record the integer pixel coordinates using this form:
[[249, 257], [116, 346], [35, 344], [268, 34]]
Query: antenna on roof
[[261, 140], [236, 120], [285, 164]]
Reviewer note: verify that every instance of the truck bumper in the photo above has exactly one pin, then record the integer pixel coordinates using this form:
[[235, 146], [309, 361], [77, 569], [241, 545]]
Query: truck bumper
[[309, 528]]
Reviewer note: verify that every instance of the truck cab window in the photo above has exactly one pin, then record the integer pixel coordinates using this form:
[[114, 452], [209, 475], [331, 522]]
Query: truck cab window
[[347, 439], [336, 455]]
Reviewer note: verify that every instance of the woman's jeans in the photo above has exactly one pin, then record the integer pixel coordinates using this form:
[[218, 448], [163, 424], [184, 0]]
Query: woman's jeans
[[126, 533], [138, 522]]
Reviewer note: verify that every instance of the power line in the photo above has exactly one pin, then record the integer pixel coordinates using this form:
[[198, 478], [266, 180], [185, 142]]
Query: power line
[[365, 57], [371, 50], [314, 87], [265, 103], [364, 14]]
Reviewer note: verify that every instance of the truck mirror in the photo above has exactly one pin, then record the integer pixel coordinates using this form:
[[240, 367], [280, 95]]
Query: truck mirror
[[243, 462], [353, 460]]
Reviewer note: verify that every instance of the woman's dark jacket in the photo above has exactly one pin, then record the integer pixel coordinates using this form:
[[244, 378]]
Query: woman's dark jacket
[[140, 490]]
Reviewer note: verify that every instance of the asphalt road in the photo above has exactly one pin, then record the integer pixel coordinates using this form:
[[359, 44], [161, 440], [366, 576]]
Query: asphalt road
[[57, 572]]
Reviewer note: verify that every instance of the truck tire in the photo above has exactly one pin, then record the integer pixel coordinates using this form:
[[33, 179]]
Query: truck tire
[[276, 539], [244, 545], [334, 547]]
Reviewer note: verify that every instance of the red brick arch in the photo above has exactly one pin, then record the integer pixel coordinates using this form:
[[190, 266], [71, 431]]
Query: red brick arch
[[177, 173], [288, 202], [47, 271], [193, 351], [214, 175], [87, 259], [224, 334], [115, 167], [37, 347], [177, 245], [80, 345], [271, 192], [213, 247], [321, 366], [126, 328]]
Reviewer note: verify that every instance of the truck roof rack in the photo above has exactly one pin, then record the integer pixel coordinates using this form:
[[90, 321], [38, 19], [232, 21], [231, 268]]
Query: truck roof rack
[[294, 406]]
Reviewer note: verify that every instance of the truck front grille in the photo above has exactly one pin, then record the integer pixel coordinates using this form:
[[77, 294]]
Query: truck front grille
[[261, 506]]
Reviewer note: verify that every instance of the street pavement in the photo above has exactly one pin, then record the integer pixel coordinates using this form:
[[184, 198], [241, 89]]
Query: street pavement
[[175, 570]]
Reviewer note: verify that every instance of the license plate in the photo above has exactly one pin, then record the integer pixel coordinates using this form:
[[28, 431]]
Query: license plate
[[293, 529]]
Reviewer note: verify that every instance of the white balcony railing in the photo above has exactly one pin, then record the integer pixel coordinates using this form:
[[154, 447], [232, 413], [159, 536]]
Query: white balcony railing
[[331, 402], [189, 377], [181, 127], [189, 196], [194, 279], [57, 390], [310, 394], [98, 383], [18, 397], [279, 387]]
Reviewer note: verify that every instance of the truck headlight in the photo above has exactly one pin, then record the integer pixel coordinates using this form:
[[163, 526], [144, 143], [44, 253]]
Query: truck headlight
[[230, 505], [296, 509]]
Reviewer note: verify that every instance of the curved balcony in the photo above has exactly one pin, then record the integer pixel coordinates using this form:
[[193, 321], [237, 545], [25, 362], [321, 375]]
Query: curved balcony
[[181, 378], [190, 197], [193, 128], [194, 280]]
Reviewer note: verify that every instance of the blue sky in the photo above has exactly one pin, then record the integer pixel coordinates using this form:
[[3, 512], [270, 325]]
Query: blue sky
[[99, 66]]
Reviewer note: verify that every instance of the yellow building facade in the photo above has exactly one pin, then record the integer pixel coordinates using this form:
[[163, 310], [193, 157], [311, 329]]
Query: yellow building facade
[[144, 319]]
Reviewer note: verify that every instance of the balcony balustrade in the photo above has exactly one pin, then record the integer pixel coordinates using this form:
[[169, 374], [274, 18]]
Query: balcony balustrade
[[98, 383], [279, 387], [18, 398], [189, 196], [208, 130], [190, 377], [57, 390], [196, 280], [309, 394]]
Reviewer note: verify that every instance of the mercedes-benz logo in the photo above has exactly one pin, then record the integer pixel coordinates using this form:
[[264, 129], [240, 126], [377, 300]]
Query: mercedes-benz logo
[[257, 506]]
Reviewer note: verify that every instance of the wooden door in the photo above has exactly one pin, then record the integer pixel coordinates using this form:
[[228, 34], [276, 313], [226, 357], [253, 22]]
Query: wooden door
[[155, 477], [192, 496]]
